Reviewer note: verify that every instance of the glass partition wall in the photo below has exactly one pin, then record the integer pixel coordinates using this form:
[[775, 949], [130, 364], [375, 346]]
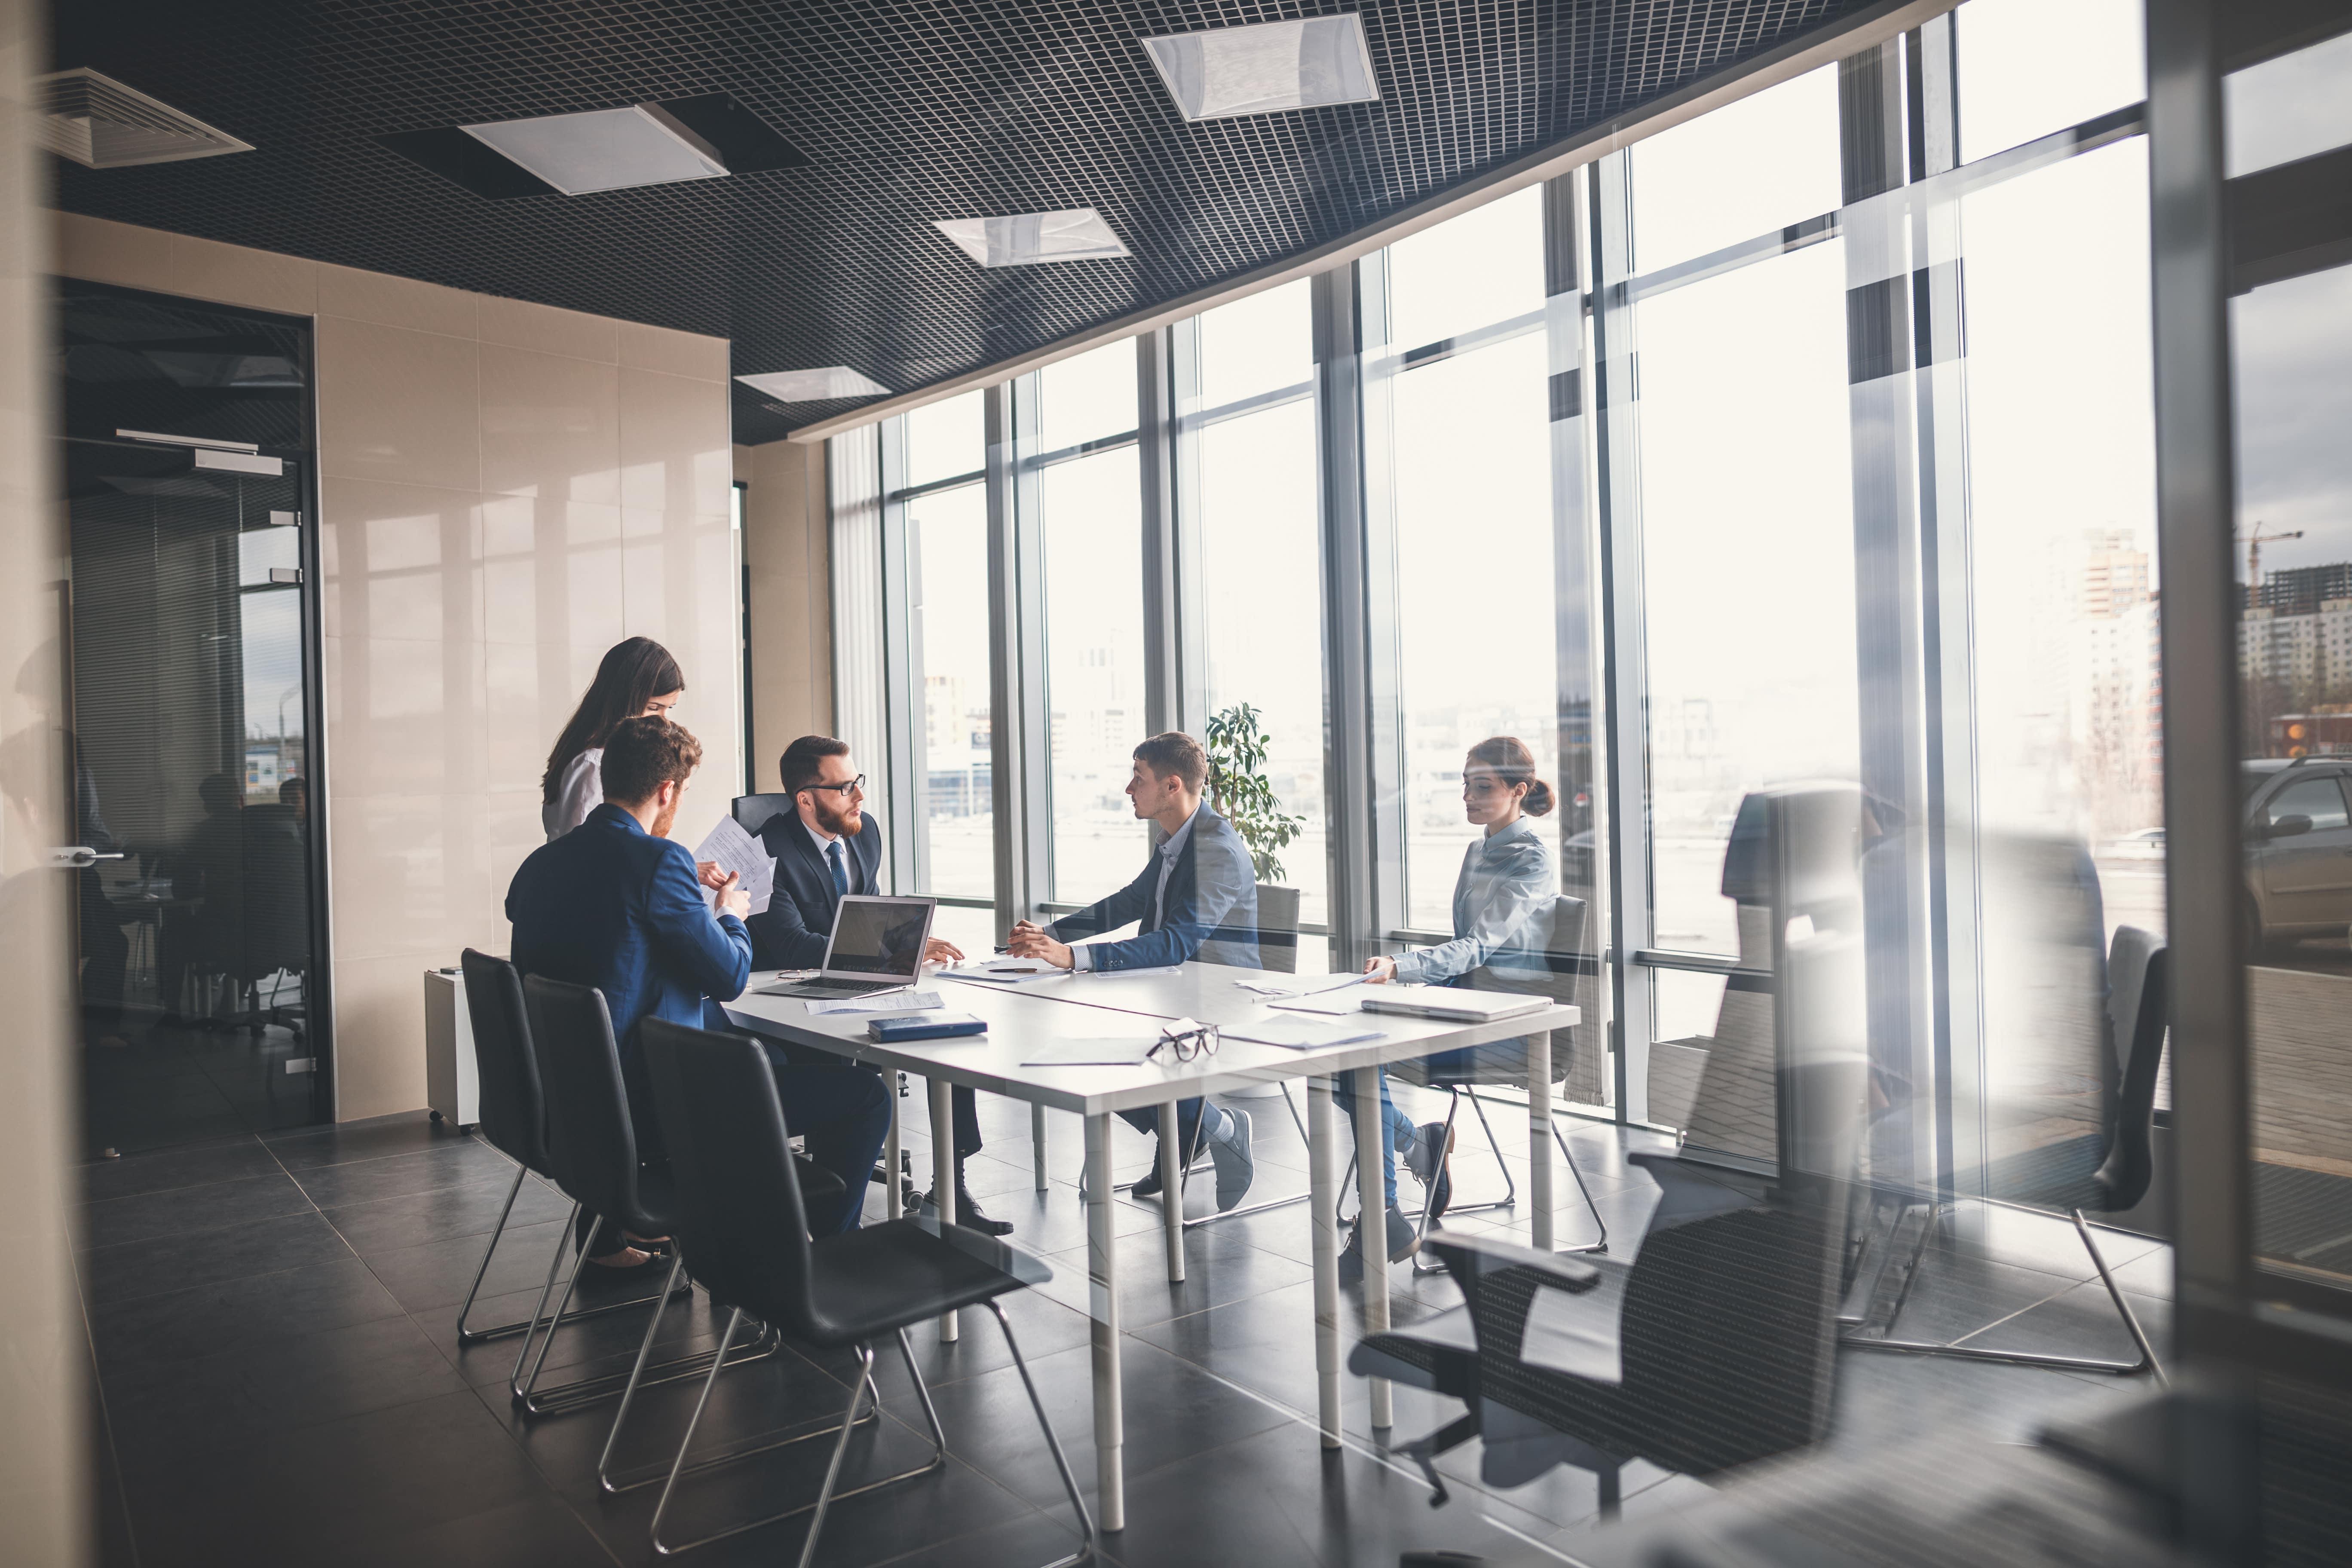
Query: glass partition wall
[[1783, 484]]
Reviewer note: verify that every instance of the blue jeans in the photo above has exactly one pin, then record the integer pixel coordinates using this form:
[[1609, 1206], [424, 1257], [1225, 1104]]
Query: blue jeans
[[1395, 1126], [1188, 1122]]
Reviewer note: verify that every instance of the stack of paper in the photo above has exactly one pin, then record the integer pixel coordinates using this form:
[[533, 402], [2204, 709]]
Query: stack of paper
[[1008, 971], [887, 1001], [1300, 1033], [736, 851]]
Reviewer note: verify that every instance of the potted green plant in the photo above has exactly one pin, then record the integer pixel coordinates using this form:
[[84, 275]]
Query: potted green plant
[[1241, 793]]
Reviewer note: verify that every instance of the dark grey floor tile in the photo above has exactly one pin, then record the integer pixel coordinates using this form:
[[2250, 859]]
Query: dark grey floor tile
[[221, 1160], [307, 1148], [2082, 1322], [179, 1261], [1882, 1399], [305, 1496], [1047, 1222], [1023, 1542], [1956, 1293], [438, 1273], [442, 1214], [180, 1211], [1042, 1325], [458, 1163], [539, 1531], [601, 1336], [243, 1315], [1219, 1267], [162, 1411]]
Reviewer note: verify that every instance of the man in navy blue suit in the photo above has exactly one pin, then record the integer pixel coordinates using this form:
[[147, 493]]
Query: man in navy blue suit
[[1197, 897], [825, 847], [616, 904]]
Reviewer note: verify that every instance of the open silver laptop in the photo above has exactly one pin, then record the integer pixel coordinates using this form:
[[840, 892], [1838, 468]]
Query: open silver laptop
[[876, 946]]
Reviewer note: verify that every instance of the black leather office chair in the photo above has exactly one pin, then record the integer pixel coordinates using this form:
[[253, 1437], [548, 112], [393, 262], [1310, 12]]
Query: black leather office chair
[[591, 1150], [512, 1120], [739, 1214], [753, 812], [2108, 1173], [1713, 1347]]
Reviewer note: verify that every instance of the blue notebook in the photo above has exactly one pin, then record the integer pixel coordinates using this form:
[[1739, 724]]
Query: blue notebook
[[924, 1027]]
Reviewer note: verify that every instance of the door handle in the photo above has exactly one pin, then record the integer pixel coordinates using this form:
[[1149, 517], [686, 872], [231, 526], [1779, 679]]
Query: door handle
[[77, 857]]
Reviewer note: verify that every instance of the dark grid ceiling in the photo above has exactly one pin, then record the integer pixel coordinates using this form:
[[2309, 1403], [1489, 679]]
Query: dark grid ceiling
[[906, 114]]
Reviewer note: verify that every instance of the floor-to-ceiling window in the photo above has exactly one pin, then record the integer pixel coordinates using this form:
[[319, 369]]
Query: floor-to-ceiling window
[[1246, 409]]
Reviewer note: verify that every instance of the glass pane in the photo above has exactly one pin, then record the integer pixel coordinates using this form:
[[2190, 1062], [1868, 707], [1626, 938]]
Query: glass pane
[[1086, 398], [260, 550], [1747, 556], [944, 440], [1748, 168], [2289, 108], [2292, 341], [1485, 267], [2027, 67], [1260, 571], [1257, 344], [948, 533], [1094, 669], [1474, 609]]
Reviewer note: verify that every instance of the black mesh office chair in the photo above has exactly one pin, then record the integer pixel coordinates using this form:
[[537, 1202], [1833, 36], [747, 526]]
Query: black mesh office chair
[[591, 1150], [739, 1214], [512, 1120], [1713, 1347], [1543, 962], [2108, 1173]]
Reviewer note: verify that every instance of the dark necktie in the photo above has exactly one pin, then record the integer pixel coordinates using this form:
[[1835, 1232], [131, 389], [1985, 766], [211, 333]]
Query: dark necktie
[[840, 868]]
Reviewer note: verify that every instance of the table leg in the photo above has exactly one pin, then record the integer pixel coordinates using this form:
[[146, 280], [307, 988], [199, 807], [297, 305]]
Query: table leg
[[1323, 1185], [1171, 1191], [1037, 1144], [893, 1203], [1372, 1227], [943, 1172], [1539, 1140], [1102, 1298]]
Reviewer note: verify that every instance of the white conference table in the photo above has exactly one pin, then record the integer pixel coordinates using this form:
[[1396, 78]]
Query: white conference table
[[1090, 1008]]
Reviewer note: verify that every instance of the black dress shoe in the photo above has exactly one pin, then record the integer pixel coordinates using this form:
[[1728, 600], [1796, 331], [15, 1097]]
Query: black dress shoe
[[968, 1215]]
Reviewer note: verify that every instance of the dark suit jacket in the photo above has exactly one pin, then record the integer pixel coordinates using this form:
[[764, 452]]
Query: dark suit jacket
[[609, 905], [792, 931], [1210, 908]]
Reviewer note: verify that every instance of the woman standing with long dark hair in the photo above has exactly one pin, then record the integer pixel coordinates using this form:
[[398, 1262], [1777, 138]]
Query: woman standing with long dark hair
[[636, 678]]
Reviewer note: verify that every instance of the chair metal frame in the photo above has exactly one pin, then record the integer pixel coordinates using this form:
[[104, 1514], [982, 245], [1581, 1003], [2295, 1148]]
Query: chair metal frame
[[1192, 1162], [467, 1336]]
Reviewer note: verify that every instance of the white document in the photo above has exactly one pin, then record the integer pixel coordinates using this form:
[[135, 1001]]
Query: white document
[[746, 857], [1331, 1005], [1007, 971], [1125, 973], [1090, 1053], [1300, 1033], [887, 1001], [1289, 990]]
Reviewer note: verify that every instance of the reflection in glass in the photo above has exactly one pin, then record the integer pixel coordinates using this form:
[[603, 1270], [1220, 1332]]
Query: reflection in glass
[[1256, 345], [2289, 108], [949, 532], [944, 440], [1753, 166], [1747, 561], [1259, 575], [1485, 265], [2291, 341], [1474, 609], [2027, 67], [1087, 397], [1094, 666]]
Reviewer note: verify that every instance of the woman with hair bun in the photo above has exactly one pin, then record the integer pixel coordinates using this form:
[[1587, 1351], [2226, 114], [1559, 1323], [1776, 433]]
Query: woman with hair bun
[[1507, 882], [636, 678]]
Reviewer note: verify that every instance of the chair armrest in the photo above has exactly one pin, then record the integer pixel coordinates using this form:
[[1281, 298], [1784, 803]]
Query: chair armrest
[[1571, 1273]]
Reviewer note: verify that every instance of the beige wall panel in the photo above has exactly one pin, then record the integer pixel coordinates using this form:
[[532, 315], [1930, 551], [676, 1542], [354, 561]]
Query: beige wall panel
[[476, 564], [43, 1354], [789, 590]]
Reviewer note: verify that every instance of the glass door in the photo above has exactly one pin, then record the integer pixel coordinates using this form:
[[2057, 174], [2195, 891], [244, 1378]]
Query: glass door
[[192, 748]]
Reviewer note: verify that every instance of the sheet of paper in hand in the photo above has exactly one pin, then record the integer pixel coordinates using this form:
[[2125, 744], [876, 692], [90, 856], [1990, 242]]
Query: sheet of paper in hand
[[736, 851]]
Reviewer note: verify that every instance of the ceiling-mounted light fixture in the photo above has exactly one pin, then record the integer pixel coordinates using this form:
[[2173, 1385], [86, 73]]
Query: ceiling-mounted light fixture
[[1267, 67], [1027, 239], [680, 139], [823, 386]]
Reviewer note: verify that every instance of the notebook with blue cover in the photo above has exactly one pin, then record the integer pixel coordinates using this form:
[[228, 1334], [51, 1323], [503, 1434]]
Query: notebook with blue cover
[[924, 1027]]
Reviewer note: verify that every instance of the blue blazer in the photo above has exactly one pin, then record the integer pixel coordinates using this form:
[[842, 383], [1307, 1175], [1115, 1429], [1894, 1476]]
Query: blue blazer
[[792, 931], [609, 905], [1211, 908]]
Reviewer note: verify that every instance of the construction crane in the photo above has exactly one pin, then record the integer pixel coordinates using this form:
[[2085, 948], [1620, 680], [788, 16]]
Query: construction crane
[[2254, 542]]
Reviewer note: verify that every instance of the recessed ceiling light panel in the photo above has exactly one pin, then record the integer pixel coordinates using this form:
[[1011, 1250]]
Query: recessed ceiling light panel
[[1027, 238], [1269, 67], [834, 381], [603, 149]]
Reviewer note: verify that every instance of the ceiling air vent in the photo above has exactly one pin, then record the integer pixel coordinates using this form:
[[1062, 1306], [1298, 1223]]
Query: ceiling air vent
[[98, 121]]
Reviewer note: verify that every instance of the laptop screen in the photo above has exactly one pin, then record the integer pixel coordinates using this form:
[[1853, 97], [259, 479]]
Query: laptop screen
[[878, 936]]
